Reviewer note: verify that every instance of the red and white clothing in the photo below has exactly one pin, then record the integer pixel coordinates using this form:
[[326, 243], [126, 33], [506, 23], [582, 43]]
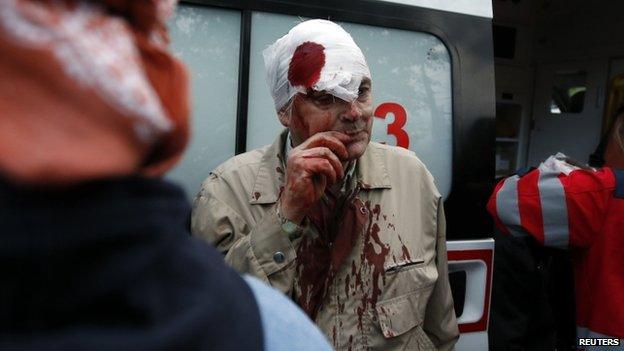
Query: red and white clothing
[[566, 207]]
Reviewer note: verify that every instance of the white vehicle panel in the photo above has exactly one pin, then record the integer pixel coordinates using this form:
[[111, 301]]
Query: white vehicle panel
[[476, 259], [477, 341]]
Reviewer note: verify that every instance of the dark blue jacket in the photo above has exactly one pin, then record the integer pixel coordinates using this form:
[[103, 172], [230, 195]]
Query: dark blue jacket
[[110, 266]]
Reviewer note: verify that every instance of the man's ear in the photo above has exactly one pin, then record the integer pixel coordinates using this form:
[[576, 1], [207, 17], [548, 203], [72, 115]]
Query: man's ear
[[284, 117], [285, 113]]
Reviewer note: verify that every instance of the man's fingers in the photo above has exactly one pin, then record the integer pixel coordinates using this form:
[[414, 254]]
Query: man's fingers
[[322, 166], [323, 152], [334, 141], [338, 135]]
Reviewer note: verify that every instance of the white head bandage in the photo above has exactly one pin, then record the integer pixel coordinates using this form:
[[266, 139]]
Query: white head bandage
[[316, 54]]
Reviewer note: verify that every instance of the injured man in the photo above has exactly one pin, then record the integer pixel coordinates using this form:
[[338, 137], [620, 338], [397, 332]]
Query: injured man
[[352, 230]]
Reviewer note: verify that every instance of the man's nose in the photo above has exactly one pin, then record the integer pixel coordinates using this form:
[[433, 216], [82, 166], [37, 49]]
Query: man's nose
[[352, 112]]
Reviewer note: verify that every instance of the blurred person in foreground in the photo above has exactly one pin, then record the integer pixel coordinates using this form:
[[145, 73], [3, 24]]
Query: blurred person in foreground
[[94, 254], [353, 231], [565, 205]]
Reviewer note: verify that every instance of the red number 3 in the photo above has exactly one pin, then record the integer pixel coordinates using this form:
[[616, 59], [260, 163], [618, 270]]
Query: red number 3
[[396, 127]]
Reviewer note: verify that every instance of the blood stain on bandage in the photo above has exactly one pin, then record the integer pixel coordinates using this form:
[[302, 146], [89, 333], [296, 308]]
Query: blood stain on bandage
[[306, 64]]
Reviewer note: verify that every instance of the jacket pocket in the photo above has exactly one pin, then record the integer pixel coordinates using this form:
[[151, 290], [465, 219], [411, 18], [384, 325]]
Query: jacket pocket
[[400, 314], [405, 278], [395, 268]]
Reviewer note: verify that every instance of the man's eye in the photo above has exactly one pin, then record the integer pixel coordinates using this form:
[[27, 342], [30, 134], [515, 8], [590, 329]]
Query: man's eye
[[325, 100], [363, 92]]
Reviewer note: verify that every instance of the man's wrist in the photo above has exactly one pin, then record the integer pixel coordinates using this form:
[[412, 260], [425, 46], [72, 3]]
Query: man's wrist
[[286, 214], [287, 225]]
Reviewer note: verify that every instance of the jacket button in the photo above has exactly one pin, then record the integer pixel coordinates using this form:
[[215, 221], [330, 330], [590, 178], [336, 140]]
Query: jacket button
[[279, 257]]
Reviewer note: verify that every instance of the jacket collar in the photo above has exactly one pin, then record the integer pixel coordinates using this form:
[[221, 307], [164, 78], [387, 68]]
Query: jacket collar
[[270, 176], [371, 171]]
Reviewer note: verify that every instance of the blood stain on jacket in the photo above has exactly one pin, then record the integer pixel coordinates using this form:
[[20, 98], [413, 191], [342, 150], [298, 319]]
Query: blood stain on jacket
[[406, 255]]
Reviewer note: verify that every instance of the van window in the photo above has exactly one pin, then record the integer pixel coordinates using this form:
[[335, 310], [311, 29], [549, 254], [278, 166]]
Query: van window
[[411, 89], [208, 41], [568, 92]]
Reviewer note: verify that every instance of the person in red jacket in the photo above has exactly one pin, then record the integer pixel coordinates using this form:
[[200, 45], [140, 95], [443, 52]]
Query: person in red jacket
[[565, 205]]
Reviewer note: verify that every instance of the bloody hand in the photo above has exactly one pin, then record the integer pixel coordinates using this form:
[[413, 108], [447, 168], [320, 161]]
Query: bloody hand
[[311, 167]]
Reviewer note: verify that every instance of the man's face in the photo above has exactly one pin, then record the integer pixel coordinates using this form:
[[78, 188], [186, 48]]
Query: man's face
[[317, 112]]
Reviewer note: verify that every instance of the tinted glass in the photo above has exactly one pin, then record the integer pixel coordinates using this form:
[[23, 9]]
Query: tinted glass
[[207, 40]]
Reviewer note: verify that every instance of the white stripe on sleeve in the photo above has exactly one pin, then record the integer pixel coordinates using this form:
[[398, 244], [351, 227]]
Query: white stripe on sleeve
[[554, 210], [507, 206]]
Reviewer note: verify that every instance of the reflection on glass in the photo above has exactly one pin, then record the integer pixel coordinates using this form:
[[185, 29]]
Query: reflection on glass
[[568, 92], [207, 40]]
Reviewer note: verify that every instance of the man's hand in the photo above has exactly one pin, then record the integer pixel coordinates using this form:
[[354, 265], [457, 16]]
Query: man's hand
[[311, 167]]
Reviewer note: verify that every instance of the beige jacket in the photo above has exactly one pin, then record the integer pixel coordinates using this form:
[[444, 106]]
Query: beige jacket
[[390, 292]]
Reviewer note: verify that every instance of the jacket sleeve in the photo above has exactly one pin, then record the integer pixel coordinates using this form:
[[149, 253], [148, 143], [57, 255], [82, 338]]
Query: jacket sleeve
[[440, 323], [261, 249], [558, 209]]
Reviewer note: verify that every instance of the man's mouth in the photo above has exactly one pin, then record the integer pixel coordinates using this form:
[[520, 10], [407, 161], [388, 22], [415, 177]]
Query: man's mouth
[[355, 136], [352, 133]]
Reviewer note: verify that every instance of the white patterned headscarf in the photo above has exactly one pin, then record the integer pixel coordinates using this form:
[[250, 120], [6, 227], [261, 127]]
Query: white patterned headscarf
[[89, 89]]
